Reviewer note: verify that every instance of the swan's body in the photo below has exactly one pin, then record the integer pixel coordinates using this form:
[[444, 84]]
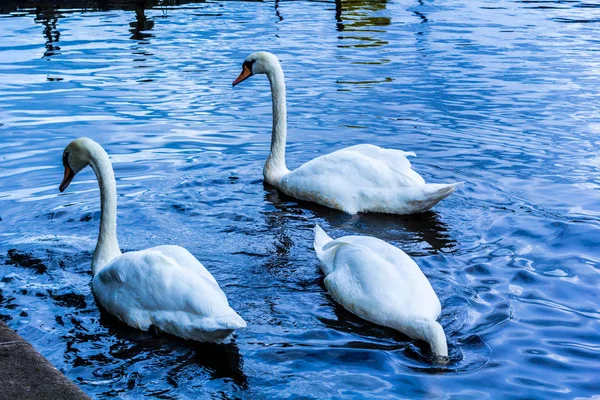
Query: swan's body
[[382, 284], [363, 178], [164, 286]]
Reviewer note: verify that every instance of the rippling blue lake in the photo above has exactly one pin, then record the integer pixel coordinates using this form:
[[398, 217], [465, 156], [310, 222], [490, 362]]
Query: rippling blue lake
[[502, 95]]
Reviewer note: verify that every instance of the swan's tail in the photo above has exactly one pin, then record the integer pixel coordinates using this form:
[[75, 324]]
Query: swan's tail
[[321, 239], [218, 329], [440, 191], [230, 321], [431, 194], [325, 253]]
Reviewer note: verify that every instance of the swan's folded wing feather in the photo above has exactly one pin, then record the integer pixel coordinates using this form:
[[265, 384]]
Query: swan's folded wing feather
[[184, 259], [379, 284], [392, 254], [395, 160], [151, 281], [363, 166], [361, 283], [364, 178]]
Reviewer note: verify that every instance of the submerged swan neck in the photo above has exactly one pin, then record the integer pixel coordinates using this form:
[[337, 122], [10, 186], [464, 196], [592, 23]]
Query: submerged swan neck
[[275, 167], [107, 247], [433, 333]]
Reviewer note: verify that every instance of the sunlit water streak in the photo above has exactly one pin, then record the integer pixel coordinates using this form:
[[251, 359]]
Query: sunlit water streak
[[502, 95]]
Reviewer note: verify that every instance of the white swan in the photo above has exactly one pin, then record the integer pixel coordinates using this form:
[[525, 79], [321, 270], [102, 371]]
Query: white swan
[[362, 178], [382, 284], [164, 286]]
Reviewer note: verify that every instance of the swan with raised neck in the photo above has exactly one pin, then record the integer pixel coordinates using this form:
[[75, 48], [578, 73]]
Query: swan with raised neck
[[262, 62], [77, 155], [360, 178], [163, 286]]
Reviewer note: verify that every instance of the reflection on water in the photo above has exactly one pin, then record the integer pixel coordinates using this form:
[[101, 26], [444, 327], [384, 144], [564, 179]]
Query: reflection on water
[[352, 15], [422, 16], [425, 229], [47, 17], [360, 20], [220, 361], [141, 24], [497, 94], [28, 6], [277, 10]]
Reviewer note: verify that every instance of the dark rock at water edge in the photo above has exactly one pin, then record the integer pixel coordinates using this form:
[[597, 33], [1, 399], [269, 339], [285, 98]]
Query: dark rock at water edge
[[25, 260]]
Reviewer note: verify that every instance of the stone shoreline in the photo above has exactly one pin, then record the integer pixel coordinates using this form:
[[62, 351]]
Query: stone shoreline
[[26, 374]]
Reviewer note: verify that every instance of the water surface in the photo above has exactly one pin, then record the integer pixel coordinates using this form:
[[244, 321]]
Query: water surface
[[502, 95]]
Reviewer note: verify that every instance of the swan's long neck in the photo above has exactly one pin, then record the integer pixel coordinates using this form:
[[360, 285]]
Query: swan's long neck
[[432, 333], [275, 167], [107, 247]]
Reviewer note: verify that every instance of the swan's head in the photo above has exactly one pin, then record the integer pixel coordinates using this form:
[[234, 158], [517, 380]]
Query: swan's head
[[261, 62], [75, 158]]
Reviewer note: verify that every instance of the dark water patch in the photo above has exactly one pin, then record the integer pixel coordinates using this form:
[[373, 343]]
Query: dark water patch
[[53, 215], [577, 21], [587, 5], [25, 260], [71, 300], [86, 218], [524, 277], [479, 270]]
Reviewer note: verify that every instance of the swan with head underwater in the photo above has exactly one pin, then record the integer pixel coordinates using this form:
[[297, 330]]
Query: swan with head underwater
[[361, 178], [164, 287], [382, 284]]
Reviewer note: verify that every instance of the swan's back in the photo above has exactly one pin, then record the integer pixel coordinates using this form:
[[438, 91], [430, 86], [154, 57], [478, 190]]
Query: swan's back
[[167, 287], [362, 166], [364, 178], [375, 280]]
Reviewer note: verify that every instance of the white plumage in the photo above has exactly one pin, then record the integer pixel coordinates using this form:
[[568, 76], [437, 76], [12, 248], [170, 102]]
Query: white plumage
[[362, 178], [164, 286], [167, 287], [381, 284]]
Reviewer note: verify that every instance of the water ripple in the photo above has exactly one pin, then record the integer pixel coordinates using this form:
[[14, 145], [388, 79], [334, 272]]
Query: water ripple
[[499, 95]]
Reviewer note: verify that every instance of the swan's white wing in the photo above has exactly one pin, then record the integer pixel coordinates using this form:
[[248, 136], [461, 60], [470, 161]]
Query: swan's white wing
[[393, 255], [363, 166], [378, 281], [185, 259], [150, 287], [364, 178], [394, 159]]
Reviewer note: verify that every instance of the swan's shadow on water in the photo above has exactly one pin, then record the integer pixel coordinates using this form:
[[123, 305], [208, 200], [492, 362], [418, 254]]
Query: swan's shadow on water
[[424, 227], [220, 360]]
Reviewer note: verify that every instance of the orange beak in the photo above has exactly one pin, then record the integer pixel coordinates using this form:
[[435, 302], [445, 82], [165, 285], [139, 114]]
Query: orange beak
[[69, 175], [246, 73]]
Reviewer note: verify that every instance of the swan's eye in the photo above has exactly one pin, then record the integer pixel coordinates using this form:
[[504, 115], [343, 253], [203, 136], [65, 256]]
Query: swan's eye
[[66, 159], [249, 64]]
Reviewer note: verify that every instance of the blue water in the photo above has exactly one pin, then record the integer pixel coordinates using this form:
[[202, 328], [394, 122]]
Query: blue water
[[502, 95]]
